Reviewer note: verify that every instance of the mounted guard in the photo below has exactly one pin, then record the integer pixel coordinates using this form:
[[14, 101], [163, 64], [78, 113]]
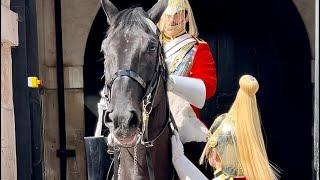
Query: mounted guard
[[192, 79]]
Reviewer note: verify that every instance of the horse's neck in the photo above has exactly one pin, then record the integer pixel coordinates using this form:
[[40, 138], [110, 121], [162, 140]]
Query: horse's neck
[[160, 152]]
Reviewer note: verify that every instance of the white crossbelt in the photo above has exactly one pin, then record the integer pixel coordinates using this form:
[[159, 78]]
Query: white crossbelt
[[176, 44]]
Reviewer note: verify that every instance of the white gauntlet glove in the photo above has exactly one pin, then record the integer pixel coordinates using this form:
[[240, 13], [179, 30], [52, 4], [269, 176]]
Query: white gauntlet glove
[[191, 89], [177, 147], [184, 167]]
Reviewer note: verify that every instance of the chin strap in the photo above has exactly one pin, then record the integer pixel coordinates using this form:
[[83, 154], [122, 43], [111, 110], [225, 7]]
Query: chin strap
[[191, 89]]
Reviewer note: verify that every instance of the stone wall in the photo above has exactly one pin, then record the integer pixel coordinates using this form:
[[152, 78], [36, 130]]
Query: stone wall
[[9, 37]]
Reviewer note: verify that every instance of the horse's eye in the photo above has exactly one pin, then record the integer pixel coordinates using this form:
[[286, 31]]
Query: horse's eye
[[152, 48]]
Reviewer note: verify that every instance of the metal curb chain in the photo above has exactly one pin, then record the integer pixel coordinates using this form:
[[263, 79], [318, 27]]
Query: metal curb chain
[[135, 162], [135, 158]]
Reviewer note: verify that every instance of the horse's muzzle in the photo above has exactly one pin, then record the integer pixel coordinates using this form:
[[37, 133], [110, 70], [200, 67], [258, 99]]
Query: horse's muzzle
[[126, 123], [127, 142]]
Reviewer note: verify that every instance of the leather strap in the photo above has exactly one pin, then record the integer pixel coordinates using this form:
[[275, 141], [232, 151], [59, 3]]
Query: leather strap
[[131, 74], [173, 122], [148, 149], [109, 170], [116, 165], [149, 164]]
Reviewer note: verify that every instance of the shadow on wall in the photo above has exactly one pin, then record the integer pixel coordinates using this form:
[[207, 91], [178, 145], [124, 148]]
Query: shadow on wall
[[266, 39]]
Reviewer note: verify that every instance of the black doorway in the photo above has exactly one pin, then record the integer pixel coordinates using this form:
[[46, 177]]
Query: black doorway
[[266, 39]]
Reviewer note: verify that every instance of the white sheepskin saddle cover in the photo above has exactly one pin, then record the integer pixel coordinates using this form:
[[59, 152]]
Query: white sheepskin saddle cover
[[190, 128]]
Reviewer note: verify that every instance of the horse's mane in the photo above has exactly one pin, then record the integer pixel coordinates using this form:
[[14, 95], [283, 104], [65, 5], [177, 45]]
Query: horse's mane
[[131, 19]]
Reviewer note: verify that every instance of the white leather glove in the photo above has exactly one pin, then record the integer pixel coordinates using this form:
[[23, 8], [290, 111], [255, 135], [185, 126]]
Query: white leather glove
[[191, 89], [184, 167], [177, 147]]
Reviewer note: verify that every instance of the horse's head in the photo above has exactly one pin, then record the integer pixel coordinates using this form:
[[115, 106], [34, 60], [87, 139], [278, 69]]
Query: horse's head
[[131, 51]]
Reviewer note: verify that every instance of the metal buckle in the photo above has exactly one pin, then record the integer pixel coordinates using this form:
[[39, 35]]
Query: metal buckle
[[146, 103], [148, 143], [110, 151]]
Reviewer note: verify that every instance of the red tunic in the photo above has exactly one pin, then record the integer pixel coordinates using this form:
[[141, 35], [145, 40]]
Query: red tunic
[[204, 68]]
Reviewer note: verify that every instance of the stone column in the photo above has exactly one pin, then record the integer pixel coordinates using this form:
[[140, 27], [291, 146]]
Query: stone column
[[9, 38]]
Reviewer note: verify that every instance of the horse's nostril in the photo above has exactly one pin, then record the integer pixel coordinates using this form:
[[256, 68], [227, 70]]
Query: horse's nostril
[[123, 119], [134, 121]]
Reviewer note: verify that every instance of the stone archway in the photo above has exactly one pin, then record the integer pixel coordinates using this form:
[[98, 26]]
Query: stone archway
[[244, 25], [77, 18]]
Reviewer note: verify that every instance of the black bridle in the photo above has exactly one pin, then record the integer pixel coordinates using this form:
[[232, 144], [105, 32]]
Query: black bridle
[[147, 105], [150, 92]]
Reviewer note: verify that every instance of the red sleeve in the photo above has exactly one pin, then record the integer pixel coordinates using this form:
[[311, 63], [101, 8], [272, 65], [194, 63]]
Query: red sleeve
[[204, 68]]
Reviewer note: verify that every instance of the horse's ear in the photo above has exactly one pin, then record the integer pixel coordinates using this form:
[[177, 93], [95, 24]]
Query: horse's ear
[[109, 9], [156, 11]]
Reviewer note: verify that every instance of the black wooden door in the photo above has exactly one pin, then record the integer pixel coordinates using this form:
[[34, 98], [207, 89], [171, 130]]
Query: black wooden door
[[268, 40]]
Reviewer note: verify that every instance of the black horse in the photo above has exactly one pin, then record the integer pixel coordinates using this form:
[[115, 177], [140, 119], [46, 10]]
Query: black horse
[[135, 88]]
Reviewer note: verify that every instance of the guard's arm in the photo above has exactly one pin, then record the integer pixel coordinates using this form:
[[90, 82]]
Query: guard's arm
[[185, 168], [191, 89]]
